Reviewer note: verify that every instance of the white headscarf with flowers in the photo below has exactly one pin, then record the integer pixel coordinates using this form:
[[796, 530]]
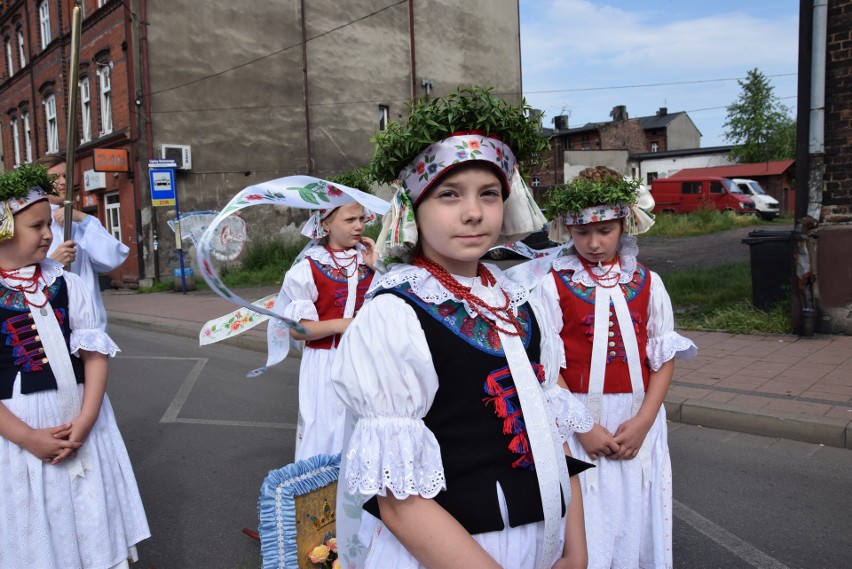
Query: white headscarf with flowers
[[521, 215], [303, 192]]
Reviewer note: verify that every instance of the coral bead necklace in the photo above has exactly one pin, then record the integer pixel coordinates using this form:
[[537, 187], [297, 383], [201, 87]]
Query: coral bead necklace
[[502, 313]]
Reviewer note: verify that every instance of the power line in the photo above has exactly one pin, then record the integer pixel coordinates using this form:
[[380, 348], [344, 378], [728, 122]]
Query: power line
[[282, 50], [613, 87], [726, 106]]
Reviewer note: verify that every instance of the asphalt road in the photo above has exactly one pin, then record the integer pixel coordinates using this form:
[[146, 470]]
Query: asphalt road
[[202, 437]]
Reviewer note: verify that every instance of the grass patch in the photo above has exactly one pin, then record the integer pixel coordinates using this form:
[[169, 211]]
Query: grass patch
[[263, 263], [719, 298], [704, 220]]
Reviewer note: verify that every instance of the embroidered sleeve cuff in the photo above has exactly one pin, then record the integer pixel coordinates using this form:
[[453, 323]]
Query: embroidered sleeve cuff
[[92, 340], [571, 415], [398, 454], [668, 346], [301, 310]]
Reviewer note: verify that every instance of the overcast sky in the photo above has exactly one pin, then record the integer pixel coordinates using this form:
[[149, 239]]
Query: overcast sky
[[581, 57]]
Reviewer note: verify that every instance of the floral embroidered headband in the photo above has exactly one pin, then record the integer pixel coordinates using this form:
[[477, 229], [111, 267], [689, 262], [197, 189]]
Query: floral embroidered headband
[[20, 188], [599, 194], [440, 156]]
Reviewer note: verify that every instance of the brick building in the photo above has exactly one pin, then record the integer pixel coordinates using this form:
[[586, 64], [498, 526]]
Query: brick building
[[660, 132], [824, 169], [34, 94], [249, 92]]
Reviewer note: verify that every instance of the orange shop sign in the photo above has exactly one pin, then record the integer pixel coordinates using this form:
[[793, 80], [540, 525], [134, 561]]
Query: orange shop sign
[[111, 160]]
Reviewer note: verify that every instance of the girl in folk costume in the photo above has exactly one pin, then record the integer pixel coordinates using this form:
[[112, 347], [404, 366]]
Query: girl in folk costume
[[323, 292], [449, 370], [320, 295], [615, 319], [68, 497]]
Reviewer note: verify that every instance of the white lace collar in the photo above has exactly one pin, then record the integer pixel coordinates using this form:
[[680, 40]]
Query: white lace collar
[[321, 255], [628, 249], [430, 290], [50, 271]]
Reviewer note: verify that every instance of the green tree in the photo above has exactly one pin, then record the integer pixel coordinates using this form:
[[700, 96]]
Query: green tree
[[758, 124]]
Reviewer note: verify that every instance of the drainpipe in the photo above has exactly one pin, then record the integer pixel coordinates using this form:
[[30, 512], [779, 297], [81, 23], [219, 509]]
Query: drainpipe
[[411, 50], [149, 129], [305, 97], [809, 203], [134, 138]]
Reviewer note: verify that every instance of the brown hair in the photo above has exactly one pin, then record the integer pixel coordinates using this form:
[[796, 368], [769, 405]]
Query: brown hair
[[51, 160]]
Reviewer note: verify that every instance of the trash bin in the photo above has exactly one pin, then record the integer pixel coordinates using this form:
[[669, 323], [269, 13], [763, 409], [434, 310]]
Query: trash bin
[[771, 256], [189, 279]]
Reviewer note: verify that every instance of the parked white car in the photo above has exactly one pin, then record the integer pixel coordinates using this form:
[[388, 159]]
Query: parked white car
[[767, 207]]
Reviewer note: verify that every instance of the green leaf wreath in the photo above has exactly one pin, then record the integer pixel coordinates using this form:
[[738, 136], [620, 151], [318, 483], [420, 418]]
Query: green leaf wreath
[[17, 183], [468, 109], [581, 193]]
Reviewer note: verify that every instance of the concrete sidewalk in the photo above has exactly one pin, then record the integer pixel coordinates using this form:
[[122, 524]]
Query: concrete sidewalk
[[771, 385]]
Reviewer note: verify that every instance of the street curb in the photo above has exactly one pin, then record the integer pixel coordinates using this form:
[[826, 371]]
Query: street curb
[[818, 430], [241, 341]]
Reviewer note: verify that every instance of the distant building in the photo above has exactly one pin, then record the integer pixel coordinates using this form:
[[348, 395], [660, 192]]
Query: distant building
[[616, 140], [244, 94]]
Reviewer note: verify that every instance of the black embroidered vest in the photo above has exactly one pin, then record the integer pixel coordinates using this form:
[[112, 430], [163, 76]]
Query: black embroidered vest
[[20, 344], [477, 419]]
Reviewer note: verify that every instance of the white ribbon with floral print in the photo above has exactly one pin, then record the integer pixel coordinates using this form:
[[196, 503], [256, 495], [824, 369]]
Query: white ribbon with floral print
[[546, 445], [604, 297], [67, 392], [303, 192]]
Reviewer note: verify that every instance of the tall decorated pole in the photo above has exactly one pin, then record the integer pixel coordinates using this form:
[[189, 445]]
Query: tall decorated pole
[[71, 124]]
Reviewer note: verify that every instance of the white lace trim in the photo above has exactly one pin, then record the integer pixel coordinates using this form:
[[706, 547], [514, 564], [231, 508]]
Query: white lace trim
[[399, 454], [301, 310], [93, 340], [670, 345], [321, 255], [431, 291], [571, 415], [628, 249]]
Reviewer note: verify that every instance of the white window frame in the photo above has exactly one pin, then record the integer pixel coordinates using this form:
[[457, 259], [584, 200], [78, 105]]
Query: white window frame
[[22, 55], [384, 116], [655, 146], [44, 23], [16, 141], [105, 84], [51, 124], [10, 61], [102, 2], [86, 110], [28, 138], [112, 205]]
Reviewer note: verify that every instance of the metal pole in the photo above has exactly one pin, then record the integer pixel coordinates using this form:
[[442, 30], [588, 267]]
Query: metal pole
[[71, 124]]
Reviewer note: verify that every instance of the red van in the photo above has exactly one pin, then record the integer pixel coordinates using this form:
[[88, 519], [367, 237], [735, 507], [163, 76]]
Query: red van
[[684, 195]]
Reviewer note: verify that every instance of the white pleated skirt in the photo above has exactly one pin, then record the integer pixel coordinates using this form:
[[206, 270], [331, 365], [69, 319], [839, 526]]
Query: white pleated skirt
[[48, 520], [628, 513], [321, 413]]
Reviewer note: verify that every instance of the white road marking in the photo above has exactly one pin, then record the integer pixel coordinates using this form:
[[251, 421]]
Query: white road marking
[[740, 548]]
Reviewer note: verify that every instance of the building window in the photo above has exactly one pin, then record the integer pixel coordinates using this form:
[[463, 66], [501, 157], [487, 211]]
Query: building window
[[535, 182], [86, 108], [106, 98], [52, 125], [16, 141], [113, 214], [384, 114], [10, 65], [28, 140], [21, 53], [44, 23], [102, 2], [652, 176], [655, 146]]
